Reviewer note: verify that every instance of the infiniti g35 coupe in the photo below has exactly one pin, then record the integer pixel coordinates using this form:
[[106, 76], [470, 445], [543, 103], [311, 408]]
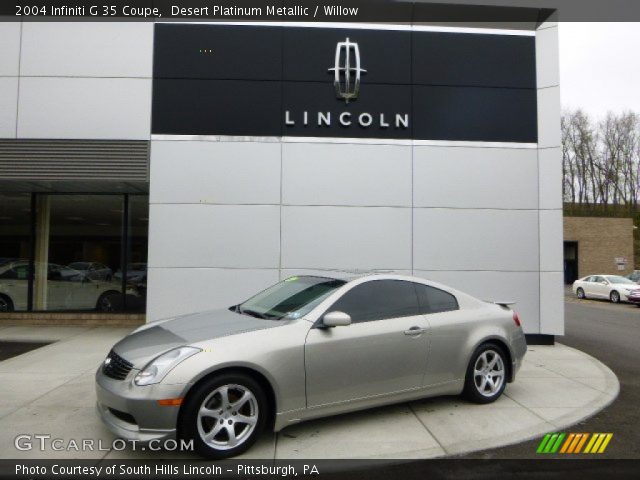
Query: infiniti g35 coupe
[[305, 348]]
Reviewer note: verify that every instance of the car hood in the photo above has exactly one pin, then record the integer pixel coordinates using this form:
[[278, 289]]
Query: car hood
[[141, 346]]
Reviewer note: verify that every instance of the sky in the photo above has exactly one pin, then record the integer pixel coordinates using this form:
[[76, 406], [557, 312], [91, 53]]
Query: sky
[[600, 67]]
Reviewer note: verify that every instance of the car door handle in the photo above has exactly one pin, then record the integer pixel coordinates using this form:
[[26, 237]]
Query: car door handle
[[415, 331]]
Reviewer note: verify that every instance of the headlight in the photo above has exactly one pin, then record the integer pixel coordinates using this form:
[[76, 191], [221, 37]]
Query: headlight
[[158, 368]]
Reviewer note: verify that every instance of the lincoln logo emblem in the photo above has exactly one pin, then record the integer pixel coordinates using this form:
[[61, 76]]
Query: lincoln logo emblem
[[346, 70]]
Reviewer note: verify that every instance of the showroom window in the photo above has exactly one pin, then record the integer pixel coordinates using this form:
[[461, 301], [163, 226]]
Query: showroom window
[[15, 230], [77, 253]]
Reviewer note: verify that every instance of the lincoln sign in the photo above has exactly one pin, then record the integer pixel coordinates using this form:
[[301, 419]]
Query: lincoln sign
[[286, 80]]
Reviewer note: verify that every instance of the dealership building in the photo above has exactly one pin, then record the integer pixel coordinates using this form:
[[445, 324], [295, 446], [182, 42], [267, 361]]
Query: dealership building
[[184, 166]]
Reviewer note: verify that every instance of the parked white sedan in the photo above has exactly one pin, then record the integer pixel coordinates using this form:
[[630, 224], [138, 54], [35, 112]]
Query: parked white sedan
[[612, 287]]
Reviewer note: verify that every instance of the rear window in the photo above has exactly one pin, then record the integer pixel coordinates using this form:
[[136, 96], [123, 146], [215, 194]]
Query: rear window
[[434, 300]]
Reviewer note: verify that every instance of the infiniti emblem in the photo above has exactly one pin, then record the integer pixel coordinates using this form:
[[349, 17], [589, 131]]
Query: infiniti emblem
[[346, 70]]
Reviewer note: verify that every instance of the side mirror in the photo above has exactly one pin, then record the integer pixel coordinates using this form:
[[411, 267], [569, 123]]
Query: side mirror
[[336, 319]]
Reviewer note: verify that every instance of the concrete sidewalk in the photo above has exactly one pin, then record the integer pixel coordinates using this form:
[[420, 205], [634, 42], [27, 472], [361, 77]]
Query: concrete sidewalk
[[50, 391]]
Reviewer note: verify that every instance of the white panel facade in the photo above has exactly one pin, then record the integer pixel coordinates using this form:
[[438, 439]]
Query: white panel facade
[[466, 177], [549, 117], [551, 303], [84, 108], [231, 236], [215, 172], [87, 49], [547, 57], [177, 291], [519, 287], [456, 239], [346, 174], [346, 237], [551, 251], [8, 106], [10, 48], [228, 218], [550, 178], [550, 181]]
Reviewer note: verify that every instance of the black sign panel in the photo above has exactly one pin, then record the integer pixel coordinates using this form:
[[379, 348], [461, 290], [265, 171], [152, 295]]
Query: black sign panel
[[381, 111], [274, 81], [310, 52]]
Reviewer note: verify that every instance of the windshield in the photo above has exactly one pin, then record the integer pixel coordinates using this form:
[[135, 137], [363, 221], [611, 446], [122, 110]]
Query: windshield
[[291, 298], [618, 279]]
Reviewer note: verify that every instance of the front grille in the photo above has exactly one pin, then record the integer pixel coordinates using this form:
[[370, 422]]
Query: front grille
[[117, 367]]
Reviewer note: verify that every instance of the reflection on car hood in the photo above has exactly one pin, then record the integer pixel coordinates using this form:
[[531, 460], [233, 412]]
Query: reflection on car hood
[[140, 347], [628, 286]]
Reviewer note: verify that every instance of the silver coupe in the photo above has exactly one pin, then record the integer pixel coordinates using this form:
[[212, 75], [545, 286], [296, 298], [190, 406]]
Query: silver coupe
[[307, 347]]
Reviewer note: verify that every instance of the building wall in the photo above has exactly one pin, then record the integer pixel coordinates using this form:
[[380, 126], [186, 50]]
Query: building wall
[[76, 80], [230, 217], [481, 217], [600, 242]]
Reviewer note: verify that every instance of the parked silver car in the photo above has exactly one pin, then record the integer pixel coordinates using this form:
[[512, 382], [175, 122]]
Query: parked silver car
[[304, 348]]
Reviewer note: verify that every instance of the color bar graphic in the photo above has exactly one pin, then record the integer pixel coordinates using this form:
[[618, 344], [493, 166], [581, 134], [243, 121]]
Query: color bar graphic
[[598, 442], [573, 443]]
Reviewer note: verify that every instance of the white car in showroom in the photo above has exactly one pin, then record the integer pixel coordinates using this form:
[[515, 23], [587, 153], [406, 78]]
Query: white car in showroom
[[612, 287], [67, 289]]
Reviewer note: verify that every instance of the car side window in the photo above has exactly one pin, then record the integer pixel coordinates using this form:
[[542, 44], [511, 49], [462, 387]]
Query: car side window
[[9, 274], [378, 300], [434, 300]]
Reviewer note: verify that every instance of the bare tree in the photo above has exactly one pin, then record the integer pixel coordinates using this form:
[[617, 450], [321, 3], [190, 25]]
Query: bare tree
[[601, 160]]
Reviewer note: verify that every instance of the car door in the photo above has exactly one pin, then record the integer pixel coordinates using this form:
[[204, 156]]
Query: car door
[[588, 285], [600, 287], [384, 350], [450, 329]]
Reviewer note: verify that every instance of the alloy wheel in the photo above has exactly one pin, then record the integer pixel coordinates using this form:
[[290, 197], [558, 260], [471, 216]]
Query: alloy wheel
[[614, 297], [228, 416], [488, 373]]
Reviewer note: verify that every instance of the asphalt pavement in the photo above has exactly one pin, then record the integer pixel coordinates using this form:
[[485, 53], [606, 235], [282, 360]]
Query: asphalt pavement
[[610, 333]]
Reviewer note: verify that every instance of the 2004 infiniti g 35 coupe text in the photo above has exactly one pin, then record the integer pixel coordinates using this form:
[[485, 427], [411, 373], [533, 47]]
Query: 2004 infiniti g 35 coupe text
[[304, 348]]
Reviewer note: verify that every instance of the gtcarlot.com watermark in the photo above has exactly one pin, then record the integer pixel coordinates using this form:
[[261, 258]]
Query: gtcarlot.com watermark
[[45, 442]]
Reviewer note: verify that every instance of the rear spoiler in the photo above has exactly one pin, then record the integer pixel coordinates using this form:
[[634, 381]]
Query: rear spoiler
[[503, 304]]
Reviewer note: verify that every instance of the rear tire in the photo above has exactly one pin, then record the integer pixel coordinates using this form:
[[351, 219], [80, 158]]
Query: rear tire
[[224, 415], [580, 294], [614, 297], [486, 376], [6, 304]]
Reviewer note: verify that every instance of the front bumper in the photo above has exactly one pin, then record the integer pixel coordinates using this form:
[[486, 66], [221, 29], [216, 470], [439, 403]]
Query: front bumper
[[133, 412], [519, 349], [633, 299]]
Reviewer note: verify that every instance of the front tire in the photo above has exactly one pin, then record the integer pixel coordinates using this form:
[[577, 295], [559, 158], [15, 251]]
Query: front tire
[[106, 302], [225, 415], [580, 294], [486, 374], [614, 297], [6, 304]]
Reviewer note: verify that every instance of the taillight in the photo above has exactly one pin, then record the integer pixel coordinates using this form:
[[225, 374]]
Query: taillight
[[516, 319]]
